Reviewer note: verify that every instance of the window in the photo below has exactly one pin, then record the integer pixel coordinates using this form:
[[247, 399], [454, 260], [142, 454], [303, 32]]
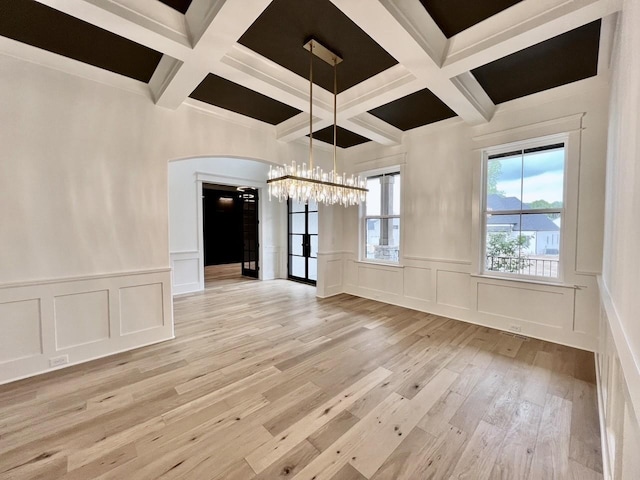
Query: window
[[523, 210], [382, 218]]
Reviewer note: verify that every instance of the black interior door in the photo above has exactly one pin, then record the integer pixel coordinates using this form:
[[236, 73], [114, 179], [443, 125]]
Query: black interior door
[[303, 242], [250, 233]]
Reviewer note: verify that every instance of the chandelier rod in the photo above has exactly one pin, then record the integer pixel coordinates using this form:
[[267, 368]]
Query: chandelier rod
[[335, 112], [311, 106]]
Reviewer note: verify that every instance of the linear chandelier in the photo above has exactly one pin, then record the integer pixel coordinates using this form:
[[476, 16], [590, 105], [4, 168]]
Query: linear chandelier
[[302, 184]]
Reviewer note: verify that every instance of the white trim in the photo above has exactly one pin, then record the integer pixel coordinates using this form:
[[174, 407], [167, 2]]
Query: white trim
[[533, 134], [91, 359], [82, 278], [604, 445], [229, 116], [630, 364], [218, 179], [362, 216], [436, 260], [568, 228], [28, 53]]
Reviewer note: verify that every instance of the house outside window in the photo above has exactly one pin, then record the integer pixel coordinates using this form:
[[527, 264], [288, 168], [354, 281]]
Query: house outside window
[[381, 220], [523, 210]]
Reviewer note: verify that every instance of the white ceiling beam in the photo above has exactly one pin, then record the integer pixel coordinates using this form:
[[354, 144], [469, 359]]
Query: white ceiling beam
[[147, 22], [226, 22], [373, 128], [607, 36], [522, 25], [402, 28], [298, 126]]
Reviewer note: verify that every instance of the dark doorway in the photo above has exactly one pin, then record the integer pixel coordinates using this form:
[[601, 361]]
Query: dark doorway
[[250, 232], [303, 242], [230, 227]]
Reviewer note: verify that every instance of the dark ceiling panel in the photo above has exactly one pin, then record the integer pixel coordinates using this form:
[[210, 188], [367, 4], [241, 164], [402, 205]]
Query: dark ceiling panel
[[454, 16], [223, 93], [280, 32], [180, 5], [346, 138], [33, 23], [415, 110], [566, 58]]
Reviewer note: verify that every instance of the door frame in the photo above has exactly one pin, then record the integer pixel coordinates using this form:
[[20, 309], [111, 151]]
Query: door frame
[[293, 278], [229, 181]]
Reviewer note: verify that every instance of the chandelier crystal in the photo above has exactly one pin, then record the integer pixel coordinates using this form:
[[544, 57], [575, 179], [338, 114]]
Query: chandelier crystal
[[303, 183]]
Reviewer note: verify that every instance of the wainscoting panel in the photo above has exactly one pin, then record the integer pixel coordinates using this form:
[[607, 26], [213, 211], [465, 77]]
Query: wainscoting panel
[[186, 272], [51, 324], [21, 330], [530, 303], [557, 313], [330, 274], [140, 308], [380, 279], [618, 379], [417, 283], [452, 289], [81, 318]]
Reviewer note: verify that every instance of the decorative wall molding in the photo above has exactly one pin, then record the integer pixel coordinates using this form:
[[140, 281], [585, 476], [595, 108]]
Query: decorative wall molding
[[630, 364], [57, 323], [448, 288], [565, 124], [618, 380]]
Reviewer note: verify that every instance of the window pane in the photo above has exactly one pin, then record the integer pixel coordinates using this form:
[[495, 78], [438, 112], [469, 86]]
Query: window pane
[[504, 183], [314, 245], [296, 244], [543, 179], [297, 266], [373, 202], [372, 234], [313, 206], [313, 222], [527, 244], [297, 223], [313, 269], [382, 239], [396, 195], [296, 206]]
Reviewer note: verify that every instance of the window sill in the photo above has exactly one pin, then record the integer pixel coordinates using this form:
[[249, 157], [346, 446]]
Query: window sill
[[380, 264], [525, 280]]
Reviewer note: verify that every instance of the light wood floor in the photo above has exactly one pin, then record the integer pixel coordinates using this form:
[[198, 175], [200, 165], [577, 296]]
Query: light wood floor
[[264, 381]]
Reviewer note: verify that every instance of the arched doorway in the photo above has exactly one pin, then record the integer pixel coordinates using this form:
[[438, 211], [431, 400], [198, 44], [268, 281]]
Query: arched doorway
[[188, 178]]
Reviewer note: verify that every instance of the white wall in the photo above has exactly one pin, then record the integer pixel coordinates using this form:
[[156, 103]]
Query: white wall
[[185, 220], [84, 263], [619, 358], [439, 245]]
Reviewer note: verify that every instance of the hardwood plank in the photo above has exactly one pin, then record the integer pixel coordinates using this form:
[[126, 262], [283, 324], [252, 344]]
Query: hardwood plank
[[332, 431], [348, 473], [480, 453], [515, 457], [551, 458], [290, 464], [404, 460], [286, 440], [585, 447], [468, 416], [373, 439]]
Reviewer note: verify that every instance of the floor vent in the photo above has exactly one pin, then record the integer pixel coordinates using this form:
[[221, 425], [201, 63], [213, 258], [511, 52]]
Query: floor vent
[[515, 335]]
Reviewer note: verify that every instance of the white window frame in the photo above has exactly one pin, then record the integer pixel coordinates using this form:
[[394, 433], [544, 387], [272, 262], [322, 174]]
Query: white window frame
[[362, 217], [565, 248]]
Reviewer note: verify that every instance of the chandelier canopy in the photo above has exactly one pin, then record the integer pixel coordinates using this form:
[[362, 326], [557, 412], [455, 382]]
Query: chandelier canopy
[[306, 182]]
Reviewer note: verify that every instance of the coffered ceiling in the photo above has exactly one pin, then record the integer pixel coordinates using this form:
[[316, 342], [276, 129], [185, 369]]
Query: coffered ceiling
[[407, 63]]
